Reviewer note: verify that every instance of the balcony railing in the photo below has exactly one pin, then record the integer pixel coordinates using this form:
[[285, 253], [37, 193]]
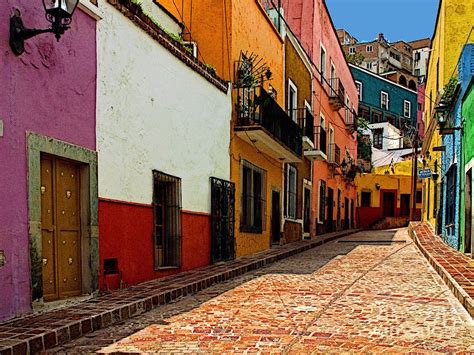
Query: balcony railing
[[334, 154], [320, 139], [336, 94], [350, 120], [255, 107], [305, 120]]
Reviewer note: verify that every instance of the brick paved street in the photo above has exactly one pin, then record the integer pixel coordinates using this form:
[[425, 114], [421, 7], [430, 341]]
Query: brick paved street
[[353, 294]]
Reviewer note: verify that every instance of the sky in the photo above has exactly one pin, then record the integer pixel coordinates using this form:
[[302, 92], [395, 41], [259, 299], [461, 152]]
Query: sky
[[397, 19]]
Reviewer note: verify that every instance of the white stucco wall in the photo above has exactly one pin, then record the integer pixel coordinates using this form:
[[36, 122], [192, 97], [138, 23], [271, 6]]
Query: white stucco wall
[[154, 112], [423, 62], [391, 135]]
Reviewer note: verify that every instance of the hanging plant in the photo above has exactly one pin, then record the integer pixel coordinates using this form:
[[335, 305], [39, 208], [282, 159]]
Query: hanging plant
[[449, 91]]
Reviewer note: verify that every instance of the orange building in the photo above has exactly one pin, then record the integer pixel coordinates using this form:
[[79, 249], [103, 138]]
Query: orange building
[[335, 102], [241, 41]]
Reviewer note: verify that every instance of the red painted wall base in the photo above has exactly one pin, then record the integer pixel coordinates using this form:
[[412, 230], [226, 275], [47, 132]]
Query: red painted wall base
[[126, 234]]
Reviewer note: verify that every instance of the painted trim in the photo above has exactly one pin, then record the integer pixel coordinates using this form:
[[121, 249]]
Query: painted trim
[[90, 9], [381, 102], [409, 106], [119, 202], [361, 89], [292, 86], [205, 214], [38, 144]]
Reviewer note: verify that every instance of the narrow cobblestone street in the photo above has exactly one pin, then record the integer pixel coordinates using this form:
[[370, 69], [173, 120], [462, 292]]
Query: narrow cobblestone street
[[371, 291]]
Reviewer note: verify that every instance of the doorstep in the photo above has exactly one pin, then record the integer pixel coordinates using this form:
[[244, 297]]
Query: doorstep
[[36, 332], [455, 268]]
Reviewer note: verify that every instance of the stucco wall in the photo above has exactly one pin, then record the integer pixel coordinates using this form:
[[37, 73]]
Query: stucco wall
[[155, 113], [42, 92], [453, 25]]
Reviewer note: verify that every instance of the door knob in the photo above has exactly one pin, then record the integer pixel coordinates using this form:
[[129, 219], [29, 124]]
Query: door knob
[[70, 261], [45, 261]]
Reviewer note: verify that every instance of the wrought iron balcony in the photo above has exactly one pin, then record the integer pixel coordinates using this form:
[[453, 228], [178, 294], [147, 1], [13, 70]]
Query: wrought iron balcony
[[350, 120], [334, 154], [336, 94], [264, 124], [305, 120], [319, 151]]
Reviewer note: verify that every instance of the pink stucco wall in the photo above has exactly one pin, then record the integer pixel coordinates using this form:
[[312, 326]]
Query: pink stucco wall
[[50, 90]]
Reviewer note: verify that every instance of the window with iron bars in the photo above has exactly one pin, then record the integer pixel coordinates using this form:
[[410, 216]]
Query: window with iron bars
[[450, 195], [167, 220], [252, 219]]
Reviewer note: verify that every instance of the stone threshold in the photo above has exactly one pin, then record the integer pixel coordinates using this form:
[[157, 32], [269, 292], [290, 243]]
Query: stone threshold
[[37, 332], [455, 268]]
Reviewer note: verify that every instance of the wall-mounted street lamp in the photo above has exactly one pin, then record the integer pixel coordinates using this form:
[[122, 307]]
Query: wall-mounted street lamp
[[442, 113], [58, 13]]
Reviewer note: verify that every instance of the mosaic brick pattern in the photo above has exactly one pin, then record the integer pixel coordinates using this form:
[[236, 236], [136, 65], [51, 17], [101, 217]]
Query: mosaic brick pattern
[[455, 268], [368, 292], [37, 332]]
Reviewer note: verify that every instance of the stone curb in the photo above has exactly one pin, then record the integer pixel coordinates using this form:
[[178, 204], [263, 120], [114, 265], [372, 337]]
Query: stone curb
[[33, 340], [466, 301]]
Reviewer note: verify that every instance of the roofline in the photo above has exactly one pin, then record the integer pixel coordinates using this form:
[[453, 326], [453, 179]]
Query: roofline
[[382, 78]]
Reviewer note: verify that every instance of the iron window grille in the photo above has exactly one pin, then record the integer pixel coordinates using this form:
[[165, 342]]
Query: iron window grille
[[167, 220], [291, 191], [450, 195], [252, 219], [322, 200]]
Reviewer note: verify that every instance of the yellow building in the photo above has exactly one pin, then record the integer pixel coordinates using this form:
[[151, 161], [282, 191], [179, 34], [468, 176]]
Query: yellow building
[[386, 192], [453, 26]]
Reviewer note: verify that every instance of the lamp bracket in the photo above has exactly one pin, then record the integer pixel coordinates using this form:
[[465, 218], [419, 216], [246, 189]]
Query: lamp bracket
[[19, 33]]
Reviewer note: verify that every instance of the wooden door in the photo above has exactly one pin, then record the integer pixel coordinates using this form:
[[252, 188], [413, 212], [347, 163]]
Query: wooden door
[[405, 204], [388, 204], [61, 232]]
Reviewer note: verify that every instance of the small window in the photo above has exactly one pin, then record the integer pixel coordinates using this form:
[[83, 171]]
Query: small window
[[359, 89], [370, 48], [167, 219], [417, 72], [369, 65], [323, 64], [352, 50], [322, 201], [365, 198], [378, 138], [384, 100], [407, 108], [291, 191], [292, 101], [253, 198]]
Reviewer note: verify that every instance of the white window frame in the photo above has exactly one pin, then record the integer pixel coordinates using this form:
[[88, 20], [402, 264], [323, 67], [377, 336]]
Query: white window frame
[[291, 214], [292, 110], [352, 50], [382, 94], [359, 85], [368, 65], [348, 104], [322, 121], [369, 48], [322, 67], [409, 109]]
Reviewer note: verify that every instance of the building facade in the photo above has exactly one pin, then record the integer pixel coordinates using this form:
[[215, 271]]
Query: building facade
[[453, 25], [157, 103], [468, 158], [452, 217], [421, 54], [390, 109], [387, 192], [48, 251], [334, 105]]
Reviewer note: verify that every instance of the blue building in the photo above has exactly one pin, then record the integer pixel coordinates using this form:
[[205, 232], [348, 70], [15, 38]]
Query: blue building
[[390, 108], [452, 167]]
